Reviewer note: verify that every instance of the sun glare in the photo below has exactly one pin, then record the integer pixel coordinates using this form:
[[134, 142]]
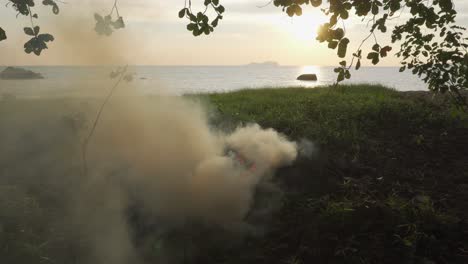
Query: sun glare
[[310, 69], [304, 27]]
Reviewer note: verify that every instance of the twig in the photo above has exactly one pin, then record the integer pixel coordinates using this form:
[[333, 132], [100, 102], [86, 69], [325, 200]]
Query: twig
[[265, 5], [31, 18], [114, 7], [84, 146]]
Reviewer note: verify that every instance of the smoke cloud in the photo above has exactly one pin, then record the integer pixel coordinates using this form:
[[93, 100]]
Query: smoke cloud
[[161, 158], [177, 164]]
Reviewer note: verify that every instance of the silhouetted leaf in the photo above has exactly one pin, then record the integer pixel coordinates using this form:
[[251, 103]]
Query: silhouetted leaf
[[341, 76], [333, 44], [358, 65], [338, 33], [344, 14], [22, 6], [128, 77], [197, 32], [37, 44], [347, 74], [200, 16], [384, 51], [55, 8], [103, 25], [214, 23], [98, 18], [45, 37], [374, 57], [220, 9], [291, 10], [375, 9], [445, 4], [113, 74], [333, 20], [182, 12], [191, 26], [342, 47], [29, 31], [376, 47], [119, 23], [206, 30], [2, 34], [316, 3]]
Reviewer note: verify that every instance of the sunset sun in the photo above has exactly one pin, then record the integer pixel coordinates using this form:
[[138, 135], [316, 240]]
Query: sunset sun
[[304, 28]]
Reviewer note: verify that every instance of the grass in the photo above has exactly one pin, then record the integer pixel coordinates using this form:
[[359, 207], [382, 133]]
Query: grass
[[388, 183], [355, 122], [348, 115], [385, 185]]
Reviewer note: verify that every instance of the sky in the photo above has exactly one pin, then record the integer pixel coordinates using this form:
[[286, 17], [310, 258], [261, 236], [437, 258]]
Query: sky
[[154, 35]]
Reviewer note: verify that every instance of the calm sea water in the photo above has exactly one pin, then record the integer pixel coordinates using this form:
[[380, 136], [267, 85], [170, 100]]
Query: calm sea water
[[88, 81]]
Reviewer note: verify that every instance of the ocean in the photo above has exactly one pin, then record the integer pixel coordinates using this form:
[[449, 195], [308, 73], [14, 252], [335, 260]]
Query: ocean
[[78, 81]]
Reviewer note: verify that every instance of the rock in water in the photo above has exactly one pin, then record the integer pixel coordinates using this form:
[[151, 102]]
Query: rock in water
[[13, 73], [307, 77]]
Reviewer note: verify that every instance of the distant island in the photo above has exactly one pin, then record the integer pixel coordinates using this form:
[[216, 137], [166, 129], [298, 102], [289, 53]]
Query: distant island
[[264, 64], [14, 73]]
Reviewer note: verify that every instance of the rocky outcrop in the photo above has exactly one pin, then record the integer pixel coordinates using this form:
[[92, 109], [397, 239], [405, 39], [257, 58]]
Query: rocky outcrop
[[13, 73], [307, 77]]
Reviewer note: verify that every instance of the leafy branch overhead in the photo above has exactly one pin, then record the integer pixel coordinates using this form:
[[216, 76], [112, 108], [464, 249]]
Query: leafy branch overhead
[[432, 46], [105, 25], [38, 42], [2, 34], [200, 22]]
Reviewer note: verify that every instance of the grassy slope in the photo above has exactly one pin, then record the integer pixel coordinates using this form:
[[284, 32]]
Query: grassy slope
[[389, 183]]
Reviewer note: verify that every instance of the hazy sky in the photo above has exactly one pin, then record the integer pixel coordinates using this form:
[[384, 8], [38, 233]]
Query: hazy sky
[[155, 35]]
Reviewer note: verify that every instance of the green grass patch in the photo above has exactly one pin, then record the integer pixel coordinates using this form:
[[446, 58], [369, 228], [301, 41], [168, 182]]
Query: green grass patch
[[389, 163]]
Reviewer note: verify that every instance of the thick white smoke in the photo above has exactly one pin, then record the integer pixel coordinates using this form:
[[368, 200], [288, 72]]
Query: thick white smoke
[[177, 164], [160, 155]]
